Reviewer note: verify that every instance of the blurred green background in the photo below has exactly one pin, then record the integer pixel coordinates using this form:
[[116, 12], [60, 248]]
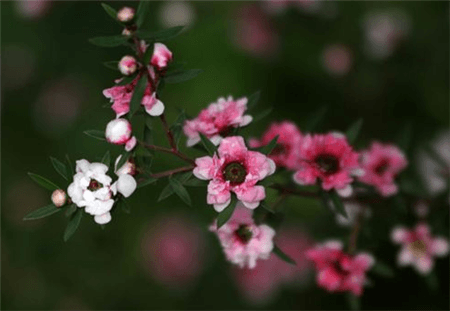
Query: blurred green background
[[52, 80]]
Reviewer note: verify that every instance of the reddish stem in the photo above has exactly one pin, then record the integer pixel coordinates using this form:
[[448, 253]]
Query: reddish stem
[[171, 172], [171, 151]]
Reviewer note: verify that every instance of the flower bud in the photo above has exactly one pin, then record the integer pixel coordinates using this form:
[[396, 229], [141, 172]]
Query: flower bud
[[161, 56], [128, 168], [127, 32], [127, 65], [125, 14], [118, 131], [59, 197]]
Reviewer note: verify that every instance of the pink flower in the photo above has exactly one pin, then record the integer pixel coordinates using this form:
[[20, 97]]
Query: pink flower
[[242, 240], [127, 65], [381, 164], [216, 121], [338, 271], [59, 197], [118, 132], [120, 96], [419, 247], [125, 14], [172, 250], [329, 158], [161, 56], [285, 154], [234, 169], [337, 59]]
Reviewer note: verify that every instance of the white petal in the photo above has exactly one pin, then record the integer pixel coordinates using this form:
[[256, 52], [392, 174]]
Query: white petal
[[193, 141], [359, 172], [82, 166], [246, 120], [130, 144], [157, 109], [103, 219], [273, 166], [440, 247], [405, 257], [333, 244], [221, 207], [345, 192], [424, 265], [126, 185], [251, 205], [216, 139]]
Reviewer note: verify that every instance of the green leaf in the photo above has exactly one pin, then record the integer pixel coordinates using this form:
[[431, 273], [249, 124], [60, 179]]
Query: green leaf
[[226, 214], [148, 181], [161, 35], [148, 54], [404, 137], [109, 41], [277, 251], [97, 134], [400, 203], [69, 163], [382, 270], [267, 207], [262, 115], [73, 224], [59, 167], [253, 100], [111, 12], [180, 190], [338, 205], [209, 146], [182, 76], [194, 182], [177, 127], [107, 159], [114, 65], [123, 159], [142, 12], [127, 80], [353, 131], [125, 206], [44, 182], [166, 192], [324, 197], [138, 93], [42, 212], [267, 149], [315, 119], [354, 302], [71, 209]]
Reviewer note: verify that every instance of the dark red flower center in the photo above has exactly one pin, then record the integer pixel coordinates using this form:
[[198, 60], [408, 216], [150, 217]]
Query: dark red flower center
[[338, 268], [94, 185], [327, 163], [224, 132], [382, 167], [244, 233], [234, 172], [279, 150], [418, 248]]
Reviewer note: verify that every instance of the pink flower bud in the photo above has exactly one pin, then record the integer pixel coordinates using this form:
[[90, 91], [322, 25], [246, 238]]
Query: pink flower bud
[[118, 131], [127, 65], [161, 56], [125, 14], [59, 197], [126, 32]]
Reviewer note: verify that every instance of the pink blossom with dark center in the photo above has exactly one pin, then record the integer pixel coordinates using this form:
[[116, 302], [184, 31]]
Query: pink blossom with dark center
[[234, 169], [243, 241], [330, 159], [218, 120], [338, 271], [419, 247], [381, 164], [286, 152]]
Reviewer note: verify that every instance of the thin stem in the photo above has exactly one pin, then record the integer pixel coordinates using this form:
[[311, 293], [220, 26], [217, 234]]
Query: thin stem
[[168, 132], [167, 150], [353, 238], [171, 172]]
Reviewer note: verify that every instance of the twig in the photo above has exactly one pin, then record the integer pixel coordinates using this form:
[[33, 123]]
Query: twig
[[171, 151], [171, 172]]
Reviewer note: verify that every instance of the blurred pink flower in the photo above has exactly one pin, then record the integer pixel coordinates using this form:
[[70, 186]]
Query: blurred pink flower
[[243, 241], [329, 158], [172, 251], [234, 169], [286, 152], [337, 59], [338, 271], [33, 9], [261, 284], [127, 65], [217, 120], [381, 164], [419, 247]]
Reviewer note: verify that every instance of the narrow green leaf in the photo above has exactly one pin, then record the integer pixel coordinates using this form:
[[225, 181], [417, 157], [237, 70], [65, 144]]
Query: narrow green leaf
[[107, 159], [180, 190], [109, 41], [42, 212], [97, 134], [59, 167], [209, 146], [325, 198], [277, 251], [111, 12], [73, 224], [253, 100], [177, 127], [142, 12], [127, 80], [123, 158], [182, 76], [382, 270], [167, 192], [315, 119], [114, 65], [71, 209], [262, 115], [148, 181], [267, 149], [267, 207], [44, 182], [183, 177], [353, 131], [338, 205], [194, 182], [148, 54], [226, 214], [161, 35], [354, 302], [138, 93], [69, 163]]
